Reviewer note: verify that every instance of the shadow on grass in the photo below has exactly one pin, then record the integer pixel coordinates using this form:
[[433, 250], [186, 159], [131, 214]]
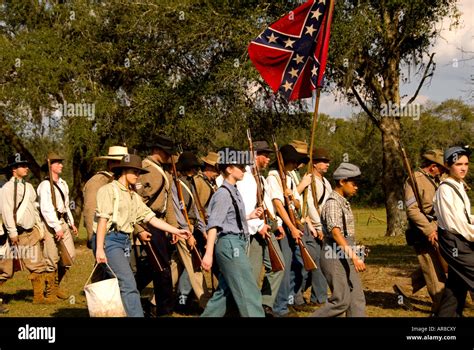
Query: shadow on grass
[[19, 295], [390, 301], [389, 255], [70, 312]]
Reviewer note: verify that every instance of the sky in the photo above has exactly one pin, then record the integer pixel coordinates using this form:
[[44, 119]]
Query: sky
[[452, 75]]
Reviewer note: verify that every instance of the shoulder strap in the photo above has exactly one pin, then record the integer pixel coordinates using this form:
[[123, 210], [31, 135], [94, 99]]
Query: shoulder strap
[[236, 208], [344, 224], [18, 215], [191, 201], [15, 207], [321, 199], [429, 179], [460, 196], [61, 193], [116, 204]]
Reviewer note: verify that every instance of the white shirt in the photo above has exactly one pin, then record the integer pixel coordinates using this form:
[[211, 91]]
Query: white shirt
[[1, 220], [25, 196], [449, 209], [322, 187], [276, 191], [46, 203], [248, 190]]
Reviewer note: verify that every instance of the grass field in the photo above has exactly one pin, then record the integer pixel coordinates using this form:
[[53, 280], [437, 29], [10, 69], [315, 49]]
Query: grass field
[[389, 261]]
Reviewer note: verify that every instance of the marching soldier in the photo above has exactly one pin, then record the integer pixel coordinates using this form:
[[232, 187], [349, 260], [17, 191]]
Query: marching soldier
[[91, 187], [228, 235], [191, 278], [205, 180], [155, 187], [23, 225], [422, 232], [314, 237], [340, 261], [53, 195], [119, 208], [455, 232], [258, 230], [291, 159]]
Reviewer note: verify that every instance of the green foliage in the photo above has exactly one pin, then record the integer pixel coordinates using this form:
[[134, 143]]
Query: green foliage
[[180, 67]]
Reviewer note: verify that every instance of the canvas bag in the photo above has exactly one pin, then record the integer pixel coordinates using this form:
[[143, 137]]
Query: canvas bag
[[103, 298]]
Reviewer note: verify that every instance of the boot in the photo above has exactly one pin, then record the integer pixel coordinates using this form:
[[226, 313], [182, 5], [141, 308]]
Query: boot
[[38, 282], [61, 293], [50, 285], [3, 308]]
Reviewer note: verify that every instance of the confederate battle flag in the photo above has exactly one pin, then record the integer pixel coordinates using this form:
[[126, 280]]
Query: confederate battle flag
[[291, 54]]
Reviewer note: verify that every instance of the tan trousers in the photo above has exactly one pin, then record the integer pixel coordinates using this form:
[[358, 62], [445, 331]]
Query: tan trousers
[[433, 274], [50, 250], [196, 278], [30, 252]]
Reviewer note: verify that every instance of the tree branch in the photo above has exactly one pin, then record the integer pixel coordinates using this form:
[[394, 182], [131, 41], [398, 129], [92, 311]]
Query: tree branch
[[18, 145], [364, 107], [425, 76]]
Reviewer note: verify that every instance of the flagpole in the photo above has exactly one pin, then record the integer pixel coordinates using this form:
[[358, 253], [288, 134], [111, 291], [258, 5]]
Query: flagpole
[[313, 127]]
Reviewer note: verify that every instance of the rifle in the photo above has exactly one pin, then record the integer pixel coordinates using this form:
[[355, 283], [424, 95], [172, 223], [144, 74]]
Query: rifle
[[62, 250], [275, 260], [411, 177], [416, 192], [195, 255], [308, 261], [201, 210]]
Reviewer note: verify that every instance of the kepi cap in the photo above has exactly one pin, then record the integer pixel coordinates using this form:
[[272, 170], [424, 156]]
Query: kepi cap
[[346, 171]]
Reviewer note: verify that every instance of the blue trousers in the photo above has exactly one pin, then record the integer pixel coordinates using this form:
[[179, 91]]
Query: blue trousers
[[235, 280], [284, 295], [117, 251], [315, 278]]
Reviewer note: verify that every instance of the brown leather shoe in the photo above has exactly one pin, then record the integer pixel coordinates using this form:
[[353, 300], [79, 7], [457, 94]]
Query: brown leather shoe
[[268, 311], [3, 309], [399, 289]]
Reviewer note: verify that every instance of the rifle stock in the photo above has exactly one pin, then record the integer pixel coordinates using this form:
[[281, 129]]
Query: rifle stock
[[308, 261], [195, 255], [275, 260]]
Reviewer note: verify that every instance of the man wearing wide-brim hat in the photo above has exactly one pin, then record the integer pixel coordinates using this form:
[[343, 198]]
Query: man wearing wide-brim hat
[[57, 217], [422, 231], [22, 224], [191, 279], [101, 178], [155, 187]]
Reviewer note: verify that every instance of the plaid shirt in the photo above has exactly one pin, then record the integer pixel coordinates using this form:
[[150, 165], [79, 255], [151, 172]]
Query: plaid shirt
[[332, 216]]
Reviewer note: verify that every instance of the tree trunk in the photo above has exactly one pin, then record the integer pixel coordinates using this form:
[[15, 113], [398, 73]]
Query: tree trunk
[[393, 175]]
